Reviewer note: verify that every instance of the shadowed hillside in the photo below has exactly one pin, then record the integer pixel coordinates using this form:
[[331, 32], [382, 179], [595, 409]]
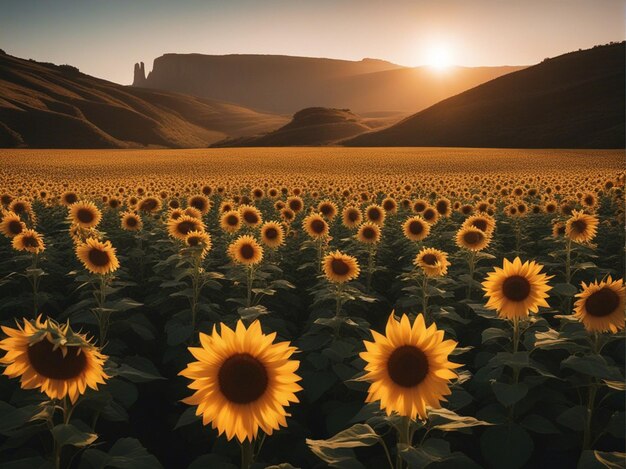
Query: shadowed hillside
[[575, 100], [313, 126], [286, 84], [48, 106]]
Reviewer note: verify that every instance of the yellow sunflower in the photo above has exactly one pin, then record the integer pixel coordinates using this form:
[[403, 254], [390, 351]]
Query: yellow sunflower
[[375, 214], [472, 238], [199, 239], [482, 221], [600, 306], [52, 358], [230, 221], [369, 233], [245, 250], [11, 225], [272, 234], [29, 240], [200, 203], [97, 257], [184, 225], [408, 367], [149, 204], [328, 209], [340, 268], [315, 226], [242, 381], [580, 227], [516, 289], [416, 228], [131, 221], [251, 215], [432, 261], [352, 216], [85, 214]]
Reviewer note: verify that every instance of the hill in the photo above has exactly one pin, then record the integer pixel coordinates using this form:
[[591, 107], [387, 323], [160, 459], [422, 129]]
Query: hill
[[575, 100], [285, 84], [313, 127], [48, 106]]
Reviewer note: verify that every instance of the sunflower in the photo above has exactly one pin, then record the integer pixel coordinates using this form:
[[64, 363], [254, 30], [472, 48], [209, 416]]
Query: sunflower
[[315, 226], [328, 209], [200, 202], [193, 212], [242, 381], [482, 221], [246, 250], [199, 239], [516, 288], [52, 358], [433, 262], [69, 198], [149, 204], [230, 221], [408, 367], [272, 234], [295, 204], [558, 229], [131, 221], [97, 257], [443, 207], [581, 228], [340, 268], [600, 306], [29, 240], [11, 225], [416, 228], [431, 215], [183, 225], [250, 215], [351, 216], [375, 214], [369, 233], [472, 238], [85, 214], [287, 215]]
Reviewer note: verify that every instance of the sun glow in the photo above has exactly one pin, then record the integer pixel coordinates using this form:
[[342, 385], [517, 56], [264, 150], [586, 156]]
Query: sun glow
[[439, 57]]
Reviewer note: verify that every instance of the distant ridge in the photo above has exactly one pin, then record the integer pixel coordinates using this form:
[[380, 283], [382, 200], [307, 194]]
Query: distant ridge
[[55, 106], [575, 100], [286, 84]]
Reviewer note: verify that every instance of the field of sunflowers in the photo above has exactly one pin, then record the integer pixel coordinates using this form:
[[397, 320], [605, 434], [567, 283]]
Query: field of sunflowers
[[348, 308]]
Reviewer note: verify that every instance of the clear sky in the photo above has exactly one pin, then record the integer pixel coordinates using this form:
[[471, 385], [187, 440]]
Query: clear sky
[[105, 38]]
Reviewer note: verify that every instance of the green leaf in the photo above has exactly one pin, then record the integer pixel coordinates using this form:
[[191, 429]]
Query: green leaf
[[493, 333], [36, 462], [592, 365], [538, 424], [67, 434], [134, 375], [507, 447], [447, 420], [574, 418], [187, 417], [509, 394], [213, 461], [590, 459], [126, 453], [564, 289], [434, 451], [337, 451]]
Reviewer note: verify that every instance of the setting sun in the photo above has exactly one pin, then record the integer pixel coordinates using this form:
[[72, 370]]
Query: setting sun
[[439, 57]]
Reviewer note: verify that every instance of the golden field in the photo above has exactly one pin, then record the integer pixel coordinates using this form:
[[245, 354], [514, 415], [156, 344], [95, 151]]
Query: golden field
[[312, 307]]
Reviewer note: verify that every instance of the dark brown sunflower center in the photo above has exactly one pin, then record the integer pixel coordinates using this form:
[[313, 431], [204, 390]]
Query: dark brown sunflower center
[[374, 214], [326, 209], [30, 242], [198, 203], [85, 215], [52, 364], [149, 205], [419, 207], [271, 233], [194, 241], [407, 366], [246, 251], [15, 227], [429, 214], [516, 288], [186, 226], [429, 259], [232, 220], [442, 207], [98, 258], [472, 237], [369, 233], [131, 221], [340, 267], [251, 217], [19, 208], [318, 226], [353, 215], [295, 205], [242, 378], [579, 226], [71, 198], [602, 303], [389, 205], [416, 227], [480, 224]]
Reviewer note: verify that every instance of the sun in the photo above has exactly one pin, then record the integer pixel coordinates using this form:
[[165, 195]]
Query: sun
[[439, 57]]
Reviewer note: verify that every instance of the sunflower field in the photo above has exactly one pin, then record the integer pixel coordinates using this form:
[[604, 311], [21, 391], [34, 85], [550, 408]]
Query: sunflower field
[[309, 308]]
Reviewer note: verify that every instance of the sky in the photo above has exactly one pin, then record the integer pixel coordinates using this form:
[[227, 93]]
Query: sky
[[105, 38]]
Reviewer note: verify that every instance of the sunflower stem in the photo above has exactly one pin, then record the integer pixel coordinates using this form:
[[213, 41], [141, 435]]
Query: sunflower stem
[[246, 454], [472, 266], [589, 415], [404, 438], [568, 261], [195, 284], [425, 296], [249, 280], [102, 315], [515, 334], [35, 284], [370, 267]]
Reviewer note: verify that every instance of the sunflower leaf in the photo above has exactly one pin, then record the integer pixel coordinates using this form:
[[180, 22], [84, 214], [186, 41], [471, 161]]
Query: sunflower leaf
[[67, 434]]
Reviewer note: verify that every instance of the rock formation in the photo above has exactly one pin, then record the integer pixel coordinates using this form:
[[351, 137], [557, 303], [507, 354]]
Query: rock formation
[[139, 78]]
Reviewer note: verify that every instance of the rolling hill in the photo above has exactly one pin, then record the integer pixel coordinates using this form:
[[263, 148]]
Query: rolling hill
[[286, 84], [48, 106], [575, 100], [313, 127]]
